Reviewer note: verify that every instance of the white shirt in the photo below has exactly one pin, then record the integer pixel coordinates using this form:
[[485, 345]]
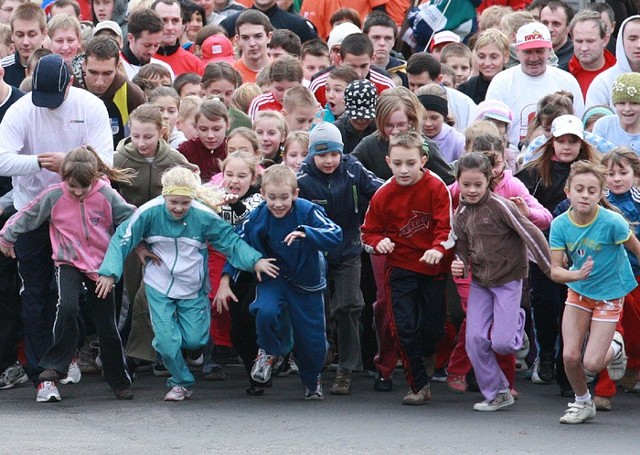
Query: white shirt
[[28, 130], [522, 92]]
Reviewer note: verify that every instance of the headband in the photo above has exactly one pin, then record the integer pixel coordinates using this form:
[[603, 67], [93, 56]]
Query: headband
[[434, 103], [178, 191]]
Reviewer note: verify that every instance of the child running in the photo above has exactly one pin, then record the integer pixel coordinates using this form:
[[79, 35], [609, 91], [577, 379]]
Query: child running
[[176, 229], [493, 237], [81, 211], [594, 239], [295, 232], [409, 221]]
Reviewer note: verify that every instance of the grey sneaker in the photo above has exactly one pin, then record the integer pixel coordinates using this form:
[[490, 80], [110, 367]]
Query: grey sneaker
[[47, 392], [502, 400], [13, 376], [579, 412], [263, 366], [314, 395], [342, 384], [618, 364], [417, 398], [178, 393]]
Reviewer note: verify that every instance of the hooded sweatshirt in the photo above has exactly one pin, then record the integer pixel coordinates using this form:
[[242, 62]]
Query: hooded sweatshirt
[[600, 89], [147, 184]]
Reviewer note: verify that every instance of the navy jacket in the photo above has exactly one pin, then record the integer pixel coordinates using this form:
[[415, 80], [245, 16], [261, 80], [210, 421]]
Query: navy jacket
[[339, 194]]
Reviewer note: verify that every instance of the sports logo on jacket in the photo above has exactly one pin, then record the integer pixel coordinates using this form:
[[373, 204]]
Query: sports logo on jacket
[[95, 216], [418, 222]]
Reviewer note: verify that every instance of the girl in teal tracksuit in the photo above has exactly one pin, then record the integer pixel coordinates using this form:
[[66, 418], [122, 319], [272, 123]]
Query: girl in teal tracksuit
[[175, 230]]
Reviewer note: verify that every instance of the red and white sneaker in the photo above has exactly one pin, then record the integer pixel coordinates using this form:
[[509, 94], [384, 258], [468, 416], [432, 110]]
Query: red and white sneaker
[[48, 392]]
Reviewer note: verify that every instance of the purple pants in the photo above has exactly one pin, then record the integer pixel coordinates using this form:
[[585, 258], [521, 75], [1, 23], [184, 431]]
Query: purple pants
[[495, 324]]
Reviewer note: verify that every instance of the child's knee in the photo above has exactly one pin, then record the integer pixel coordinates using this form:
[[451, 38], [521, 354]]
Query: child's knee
[[594, 365], [572, 358]]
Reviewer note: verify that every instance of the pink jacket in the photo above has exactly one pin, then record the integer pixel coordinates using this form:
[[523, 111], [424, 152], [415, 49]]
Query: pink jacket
[[80, 231], [512, 187]]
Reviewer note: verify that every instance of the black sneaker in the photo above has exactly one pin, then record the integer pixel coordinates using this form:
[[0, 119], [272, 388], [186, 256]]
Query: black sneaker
[[546, 370], [440, 375], [381, 384]]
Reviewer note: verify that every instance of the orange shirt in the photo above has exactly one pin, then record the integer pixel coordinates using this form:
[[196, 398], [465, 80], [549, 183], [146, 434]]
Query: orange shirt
[[319, 12], [248, 75]]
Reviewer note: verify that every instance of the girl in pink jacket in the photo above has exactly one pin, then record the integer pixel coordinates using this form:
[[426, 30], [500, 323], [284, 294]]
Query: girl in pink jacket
[[81, 211]]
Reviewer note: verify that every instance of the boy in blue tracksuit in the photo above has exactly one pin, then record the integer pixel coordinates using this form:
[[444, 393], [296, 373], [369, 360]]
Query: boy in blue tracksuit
[[337, 182], [294, 232]]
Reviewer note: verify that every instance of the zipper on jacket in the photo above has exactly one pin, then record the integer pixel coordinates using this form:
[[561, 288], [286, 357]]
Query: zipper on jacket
[[173, 266], [84, 222], [354, 191]]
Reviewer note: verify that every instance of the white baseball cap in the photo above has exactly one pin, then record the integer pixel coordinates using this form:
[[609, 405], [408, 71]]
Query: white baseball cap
[[340, 32], [567, 124], [533, 35]]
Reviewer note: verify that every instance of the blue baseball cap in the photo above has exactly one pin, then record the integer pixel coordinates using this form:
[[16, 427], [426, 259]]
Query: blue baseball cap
[[50, 81]]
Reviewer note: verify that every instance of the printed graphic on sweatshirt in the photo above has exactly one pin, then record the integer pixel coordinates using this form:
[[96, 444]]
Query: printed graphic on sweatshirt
[[418, 222]]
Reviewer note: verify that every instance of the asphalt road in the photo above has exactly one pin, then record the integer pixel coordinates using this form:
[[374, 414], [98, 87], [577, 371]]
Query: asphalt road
[[221, 418]]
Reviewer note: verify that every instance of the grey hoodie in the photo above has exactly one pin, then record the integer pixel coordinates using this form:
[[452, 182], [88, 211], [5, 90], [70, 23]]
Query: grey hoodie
[[600, 89]]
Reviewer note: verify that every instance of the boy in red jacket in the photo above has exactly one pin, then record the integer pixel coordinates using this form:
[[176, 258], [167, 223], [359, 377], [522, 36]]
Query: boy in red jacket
[[409, 220]]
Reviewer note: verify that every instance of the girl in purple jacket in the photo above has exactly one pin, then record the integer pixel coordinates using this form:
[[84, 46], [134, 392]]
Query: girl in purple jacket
[[81, 211]]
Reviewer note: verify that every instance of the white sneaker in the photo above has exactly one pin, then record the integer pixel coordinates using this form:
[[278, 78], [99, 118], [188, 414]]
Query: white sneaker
[[618, 364], [74, 374], [579, 412], [178, 393], [47, 391]]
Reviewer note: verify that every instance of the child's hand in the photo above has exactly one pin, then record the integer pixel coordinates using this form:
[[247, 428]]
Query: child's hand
[[104, 285], [293, 236], [144, 254], [457, 268], [224, 294], [523, 208], [585, 270], [431, 257], [8, 251], [228, 199], [385, 246], [266, 266]]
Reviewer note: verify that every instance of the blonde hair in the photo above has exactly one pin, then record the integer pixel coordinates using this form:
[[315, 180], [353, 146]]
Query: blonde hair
[[189, 106], [511, 22], [279, 174], [491, 16], [298, 97], [409, 140], [273, 115], [64, 22], [244, 95], [479, 128], [247, 158], [85, 166], [5, 35], [263, 78], [492, 36], [181, 177], [301, 137]]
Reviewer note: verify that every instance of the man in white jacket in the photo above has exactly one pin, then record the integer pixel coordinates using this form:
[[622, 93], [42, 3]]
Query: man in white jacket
[[522, 86], [37, 131]]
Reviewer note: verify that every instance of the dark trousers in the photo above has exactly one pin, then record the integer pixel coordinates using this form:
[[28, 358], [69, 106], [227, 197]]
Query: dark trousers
[[70, 283], [33, 250], [243, 323], [10, 321], [419, 312]]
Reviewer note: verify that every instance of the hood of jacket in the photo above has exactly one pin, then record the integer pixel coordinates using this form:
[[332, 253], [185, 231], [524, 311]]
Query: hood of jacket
[[623, 61]]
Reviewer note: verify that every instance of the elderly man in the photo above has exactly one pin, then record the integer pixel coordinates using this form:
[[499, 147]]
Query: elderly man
[[522, 86]]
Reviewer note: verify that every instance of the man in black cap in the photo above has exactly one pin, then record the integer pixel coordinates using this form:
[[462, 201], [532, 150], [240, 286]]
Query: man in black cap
[[37, 131]]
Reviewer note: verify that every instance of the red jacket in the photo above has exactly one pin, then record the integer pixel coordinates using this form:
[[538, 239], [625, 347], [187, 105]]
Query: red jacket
[[207, 160], [182, 61], [416, 218], [265, 102], [585, 77]]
